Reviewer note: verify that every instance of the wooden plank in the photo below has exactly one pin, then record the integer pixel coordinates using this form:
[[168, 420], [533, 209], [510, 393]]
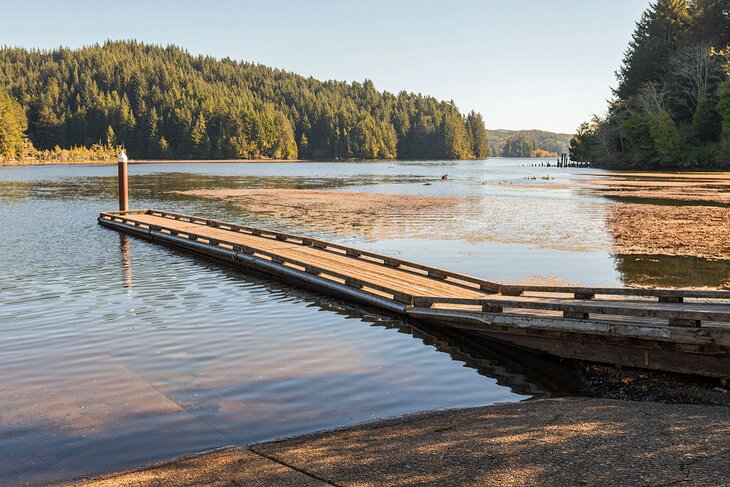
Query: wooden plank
[[516, 290], [330, 246], [422, 284], [366, 272], [358, 268], [685, 311], [399, 294]]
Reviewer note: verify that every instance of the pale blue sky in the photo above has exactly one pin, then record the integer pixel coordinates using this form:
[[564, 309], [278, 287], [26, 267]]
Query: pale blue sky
[[521, 63]]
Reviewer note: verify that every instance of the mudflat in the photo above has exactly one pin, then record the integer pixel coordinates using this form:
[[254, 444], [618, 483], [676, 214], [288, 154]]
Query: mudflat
[[666, 214], [547, 442]]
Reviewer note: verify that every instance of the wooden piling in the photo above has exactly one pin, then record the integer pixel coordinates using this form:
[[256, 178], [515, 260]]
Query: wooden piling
[[123, 183]]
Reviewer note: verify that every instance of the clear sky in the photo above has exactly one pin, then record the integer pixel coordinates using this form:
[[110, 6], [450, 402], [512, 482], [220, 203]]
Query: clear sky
[[521, 63]]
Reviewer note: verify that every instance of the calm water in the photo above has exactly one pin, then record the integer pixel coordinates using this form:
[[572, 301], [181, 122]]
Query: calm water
[[116, 352]]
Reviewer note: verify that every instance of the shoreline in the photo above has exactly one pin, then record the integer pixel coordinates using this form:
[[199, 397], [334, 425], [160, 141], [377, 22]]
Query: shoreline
[[612, 171], [150, 161], [565, 441]]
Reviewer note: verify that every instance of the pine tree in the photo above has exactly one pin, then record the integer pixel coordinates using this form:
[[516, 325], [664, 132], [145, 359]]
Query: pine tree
[[454, 137], [656, 35], [478, 132], [111, 138], [639, 134], [200, 140], [13, 125]]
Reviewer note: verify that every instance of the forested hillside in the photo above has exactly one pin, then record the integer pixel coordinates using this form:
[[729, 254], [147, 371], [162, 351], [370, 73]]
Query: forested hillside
[[527, 143], [672, 102], [161, 102]]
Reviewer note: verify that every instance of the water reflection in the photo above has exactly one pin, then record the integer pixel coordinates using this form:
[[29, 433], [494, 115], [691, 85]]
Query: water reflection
[[523, 373], [126, 259], [673, 271]]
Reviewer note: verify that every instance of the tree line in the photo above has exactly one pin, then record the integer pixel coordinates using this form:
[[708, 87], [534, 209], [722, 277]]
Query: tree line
[[527, 143], [671, 107], [163, 103]]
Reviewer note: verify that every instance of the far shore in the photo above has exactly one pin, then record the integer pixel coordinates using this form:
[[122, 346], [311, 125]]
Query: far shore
[[623, 171], [144, 161]]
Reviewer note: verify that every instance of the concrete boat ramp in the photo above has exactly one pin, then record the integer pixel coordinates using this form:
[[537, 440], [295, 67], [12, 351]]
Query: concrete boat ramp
[[677, 330], [547, 442]]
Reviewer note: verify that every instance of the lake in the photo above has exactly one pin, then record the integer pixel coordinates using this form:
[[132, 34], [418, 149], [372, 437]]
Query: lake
[[116, 352]]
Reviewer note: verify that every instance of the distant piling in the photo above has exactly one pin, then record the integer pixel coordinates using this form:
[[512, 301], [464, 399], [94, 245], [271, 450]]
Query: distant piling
[[564, 161], [123, 185]]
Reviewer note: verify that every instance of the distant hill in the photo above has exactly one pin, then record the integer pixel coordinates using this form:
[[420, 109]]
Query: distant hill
[[163, 103], [527, 143]]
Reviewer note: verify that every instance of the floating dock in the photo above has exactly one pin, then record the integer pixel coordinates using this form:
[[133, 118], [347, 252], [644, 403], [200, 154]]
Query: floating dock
[[678, 330]]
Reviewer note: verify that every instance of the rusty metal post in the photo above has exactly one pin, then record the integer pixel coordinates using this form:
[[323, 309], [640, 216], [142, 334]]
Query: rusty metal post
[[123, 185]]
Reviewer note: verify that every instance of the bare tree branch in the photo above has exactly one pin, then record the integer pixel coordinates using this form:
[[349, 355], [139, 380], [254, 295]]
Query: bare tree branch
[[691, 70]]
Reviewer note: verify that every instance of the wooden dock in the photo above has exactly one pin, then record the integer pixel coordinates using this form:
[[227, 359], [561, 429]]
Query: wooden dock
[[680, 330]]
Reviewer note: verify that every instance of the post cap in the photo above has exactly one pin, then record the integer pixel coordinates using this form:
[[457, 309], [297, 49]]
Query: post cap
[[122, 157]]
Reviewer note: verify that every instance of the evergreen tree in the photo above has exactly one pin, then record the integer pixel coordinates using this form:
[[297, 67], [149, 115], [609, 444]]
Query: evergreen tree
[[200, 140], [665, 136], [706, 122], [580, 143], [519, 145], [656, 36], [723, 109], [639, 135], [455, 144], [13, 124], [478, 135], [710, 21], [111, 138]]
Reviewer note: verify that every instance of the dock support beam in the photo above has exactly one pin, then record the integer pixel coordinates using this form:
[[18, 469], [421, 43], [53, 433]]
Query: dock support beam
[[123, 185]]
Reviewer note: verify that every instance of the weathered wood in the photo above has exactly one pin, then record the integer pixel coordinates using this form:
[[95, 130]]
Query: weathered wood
[[517, 290], [618, 322], [686, 311], [334, 247]]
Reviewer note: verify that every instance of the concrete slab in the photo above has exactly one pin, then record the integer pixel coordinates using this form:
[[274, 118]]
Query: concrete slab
[[549, 442], [545, 442], [229, 467]]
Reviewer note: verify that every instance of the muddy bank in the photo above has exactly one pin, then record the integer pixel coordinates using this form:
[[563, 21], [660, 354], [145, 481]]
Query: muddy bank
[[698, 231], [712, 188], [633, 228], [677, 214], [549, 442]]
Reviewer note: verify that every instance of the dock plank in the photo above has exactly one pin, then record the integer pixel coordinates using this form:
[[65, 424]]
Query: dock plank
[[360, 269]]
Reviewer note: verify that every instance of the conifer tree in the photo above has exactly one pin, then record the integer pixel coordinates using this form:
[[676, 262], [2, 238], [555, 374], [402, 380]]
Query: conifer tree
[[13, 125]]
